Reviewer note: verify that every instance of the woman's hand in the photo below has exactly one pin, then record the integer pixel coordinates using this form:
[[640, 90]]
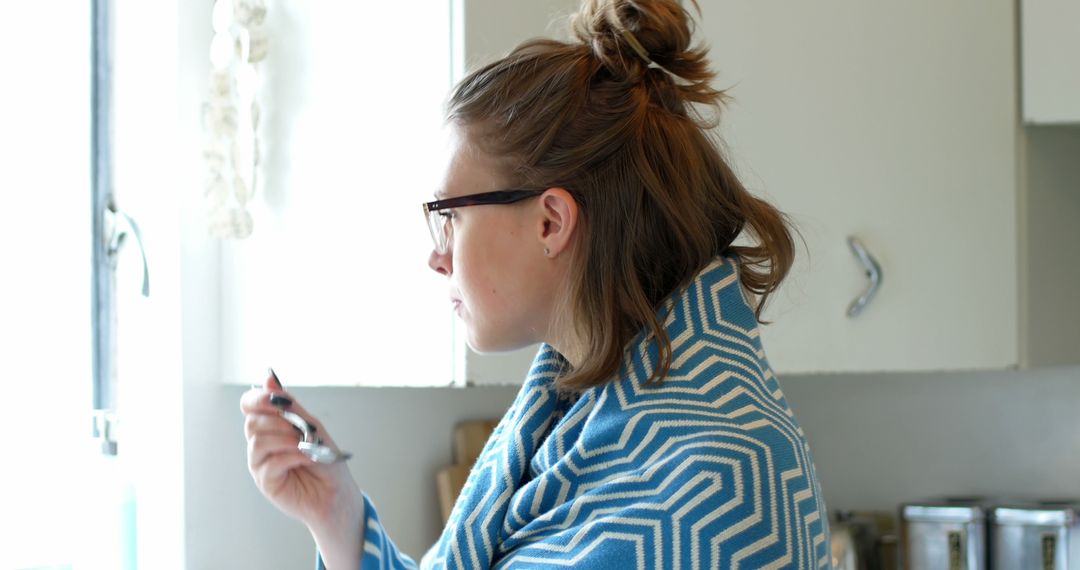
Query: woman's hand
[[323, 497]]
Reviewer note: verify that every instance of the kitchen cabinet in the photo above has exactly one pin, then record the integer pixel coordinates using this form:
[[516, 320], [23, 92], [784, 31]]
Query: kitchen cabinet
[[898, 124], [1050, 64], [895, 124]]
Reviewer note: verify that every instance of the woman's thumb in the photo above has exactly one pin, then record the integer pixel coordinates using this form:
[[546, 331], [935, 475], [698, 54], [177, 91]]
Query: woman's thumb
[[272, 382]]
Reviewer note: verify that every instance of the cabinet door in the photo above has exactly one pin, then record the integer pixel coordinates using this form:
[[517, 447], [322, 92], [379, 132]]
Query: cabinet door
[[894, 122], [1051, 49]]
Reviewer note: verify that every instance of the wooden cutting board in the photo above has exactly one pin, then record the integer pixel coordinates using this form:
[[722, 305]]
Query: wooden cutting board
[[448, 483], [468, 441], [470, 438]]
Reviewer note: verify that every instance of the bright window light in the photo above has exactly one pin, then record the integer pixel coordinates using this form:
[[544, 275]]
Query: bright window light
[[333, 286], [49, 476]]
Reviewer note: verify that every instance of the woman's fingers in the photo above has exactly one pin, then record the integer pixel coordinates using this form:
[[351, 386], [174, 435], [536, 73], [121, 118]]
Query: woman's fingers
[[264, 420], [295, 407], [295, 484], [268, 424], [257, 401], [262, 408], [263, 446], [275, 468]]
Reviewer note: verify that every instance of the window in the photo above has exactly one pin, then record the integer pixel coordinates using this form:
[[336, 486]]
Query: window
[[59, 505], [333, 285]]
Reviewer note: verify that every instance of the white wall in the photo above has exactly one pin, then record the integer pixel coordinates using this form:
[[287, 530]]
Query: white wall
[[882, 439]]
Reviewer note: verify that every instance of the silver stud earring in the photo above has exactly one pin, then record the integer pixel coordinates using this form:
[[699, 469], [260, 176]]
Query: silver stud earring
[[547, 251]]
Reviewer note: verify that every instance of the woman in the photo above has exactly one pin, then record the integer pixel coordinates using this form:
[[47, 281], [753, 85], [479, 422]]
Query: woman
[[586, 208]]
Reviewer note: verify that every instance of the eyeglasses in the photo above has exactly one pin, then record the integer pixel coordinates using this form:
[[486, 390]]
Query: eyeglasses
[[438, 219]]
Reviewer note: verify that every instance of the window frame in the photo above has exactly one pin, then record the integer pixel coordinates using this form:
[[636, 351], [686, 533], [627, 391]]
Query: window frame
[[104, 276]]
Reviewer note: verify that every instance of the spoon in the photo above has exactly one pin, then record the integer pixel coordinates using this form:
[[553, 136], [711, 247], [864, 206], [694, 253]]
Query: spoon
[[311, 445]]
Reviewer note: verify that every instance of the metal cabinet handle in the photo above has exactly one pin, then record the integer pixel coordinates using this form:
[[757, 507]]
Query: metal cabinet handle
[[956, 550], [873, 273], [1049, 551]]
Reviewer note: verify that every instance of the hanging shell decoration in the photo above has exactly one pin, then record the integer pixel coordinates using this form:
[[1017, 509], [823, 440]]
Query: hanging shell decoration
[[231, 115]]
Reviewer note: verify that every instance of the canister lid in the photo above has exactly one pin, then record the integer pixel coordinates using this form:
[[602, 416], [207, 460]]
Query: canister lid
[[1044, 513], [958, 510]]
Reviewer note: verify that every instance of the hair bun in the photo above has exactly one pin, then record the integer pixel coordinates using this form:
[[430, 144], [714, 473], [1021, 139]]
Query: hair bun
[[663, 28]]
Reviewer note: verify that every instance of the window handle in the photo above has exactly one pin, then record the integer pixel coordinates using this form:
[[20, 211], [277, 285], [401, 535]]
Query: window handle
[[118, 225]]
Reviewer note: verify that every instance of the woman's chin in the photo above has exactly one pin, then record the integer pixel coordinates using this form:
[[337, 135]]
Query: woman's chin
[[484, 344]]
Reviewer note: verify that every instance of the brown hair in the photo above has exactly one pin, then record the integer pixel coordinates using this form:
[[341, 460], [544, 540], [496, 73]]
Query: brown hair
[[631, 144]]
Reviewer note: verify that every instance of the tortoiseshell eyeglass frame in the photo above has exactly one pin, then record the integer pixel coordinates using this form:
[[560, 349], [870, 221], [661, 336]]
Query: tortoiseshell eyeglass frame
[[438, 224]]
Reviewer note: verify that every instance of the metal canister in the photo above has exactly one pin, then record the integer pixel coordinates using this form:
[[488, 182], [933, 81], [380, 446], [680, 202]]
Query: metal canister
[[1036, 536], [946, 534]]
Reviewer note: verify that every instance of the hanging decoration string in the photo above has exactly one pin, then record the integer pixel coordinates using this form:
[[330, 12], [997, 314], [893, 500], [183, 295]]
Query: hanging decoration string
[[231, 116]]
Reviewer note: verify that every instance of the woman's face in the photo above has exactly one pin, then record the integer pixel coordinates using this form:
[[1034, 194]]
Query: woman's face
[[500, 284]]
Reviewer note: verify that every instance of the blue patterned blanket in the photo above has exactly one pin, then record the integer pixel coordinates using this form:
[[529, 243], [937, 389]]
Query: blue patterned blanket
[[707, 469]]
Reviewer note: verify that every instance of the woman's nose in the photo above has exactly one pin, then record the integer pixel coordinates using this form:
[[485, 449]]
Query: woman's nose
[[442, 263]]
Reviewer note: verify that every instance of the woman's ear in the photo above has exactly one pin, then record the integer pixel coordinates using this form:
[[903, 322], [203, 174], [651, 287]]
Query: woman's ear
[[558, 222]]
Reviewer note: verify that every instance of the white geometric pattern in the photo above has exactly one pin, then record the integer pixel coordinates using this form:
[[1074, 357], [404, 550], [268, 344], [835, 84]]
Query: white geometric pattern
[[707, 469]]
